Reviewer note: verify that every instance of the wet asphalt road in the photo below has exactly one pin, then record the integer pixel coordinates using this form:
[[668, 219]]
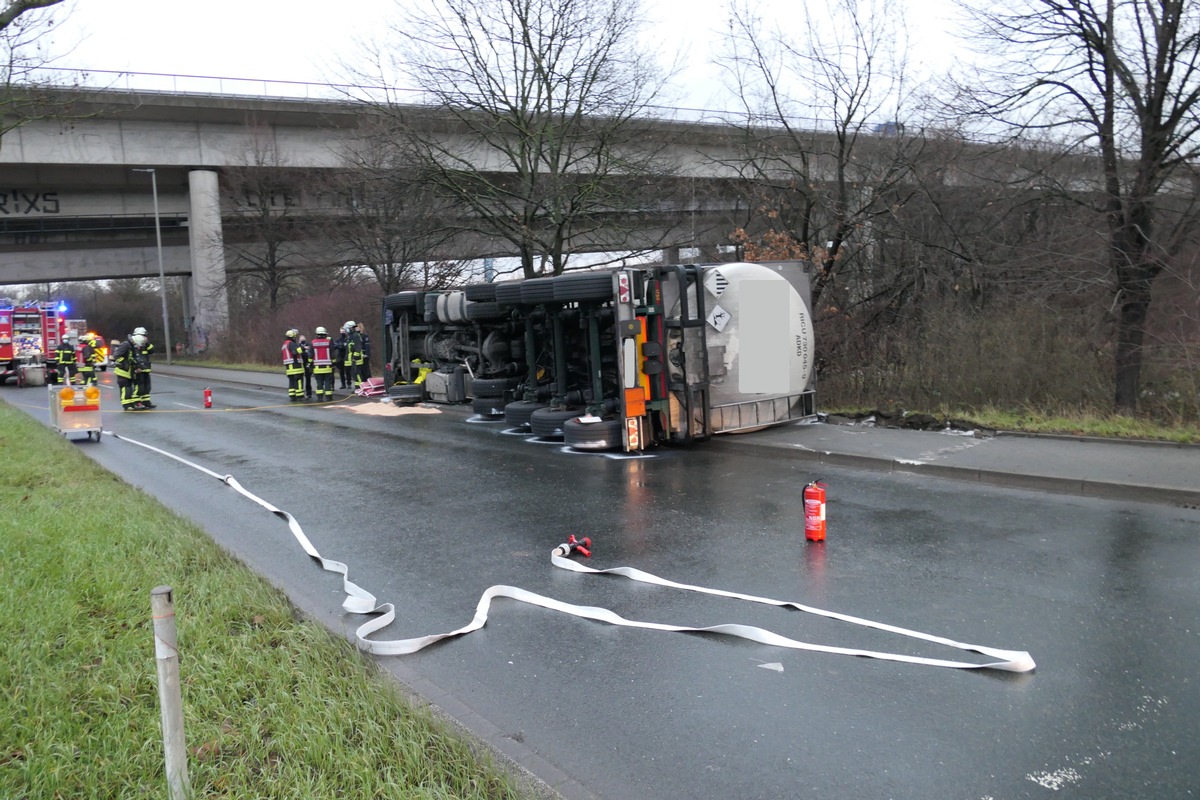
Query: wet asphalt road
[[429, 510]]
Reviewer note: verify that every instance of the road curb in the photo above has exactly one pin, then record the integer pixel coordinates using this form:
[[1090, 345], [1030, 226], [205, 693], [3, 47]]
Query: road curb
[[1067, 437], [1081, 487]]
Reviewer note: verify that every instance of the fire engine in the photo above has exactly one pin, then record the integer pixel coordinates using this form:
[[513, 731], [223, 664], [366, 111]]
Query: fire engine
[[29, 335], [614, 360]]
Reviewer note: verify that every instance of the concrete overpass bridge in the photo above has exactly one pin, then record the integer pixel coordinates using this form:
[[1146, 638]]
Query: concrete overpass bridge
[[74, 205]]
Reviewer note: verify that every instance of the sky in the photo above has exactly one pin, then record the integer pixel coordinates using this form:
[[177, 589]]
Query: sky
[[304, 40]]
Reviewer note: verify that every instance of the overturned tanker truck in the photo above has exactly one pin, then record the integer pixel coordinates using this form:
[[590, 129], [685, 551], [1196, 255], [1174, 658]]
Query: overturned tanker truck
[[622, 359]]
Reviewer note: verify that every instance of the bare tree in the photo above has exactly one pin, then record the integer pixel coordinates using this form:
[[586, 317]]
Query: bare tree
[[1118, 80], [825, 144], [536, 101], [24, 24], [389, 220], [13, 9], [262, 245]]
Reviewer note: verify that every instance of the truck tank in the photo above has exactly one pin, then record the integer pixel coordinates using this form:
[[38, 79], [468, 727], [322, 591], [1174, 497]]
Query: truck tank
[[759, 343]]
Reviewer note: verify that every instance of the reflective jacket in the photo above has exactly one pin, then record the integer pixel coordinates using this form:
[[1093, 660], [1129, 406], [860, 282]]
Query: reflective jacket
[[125, 359], [293, 359], [85, 357], [322, 354], [65, 354], [144, 356], [353, 350]]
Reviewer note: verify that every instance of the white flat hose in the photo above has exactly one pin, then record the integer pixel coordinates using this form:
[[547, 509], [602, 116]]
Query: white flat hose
[[360, 601]]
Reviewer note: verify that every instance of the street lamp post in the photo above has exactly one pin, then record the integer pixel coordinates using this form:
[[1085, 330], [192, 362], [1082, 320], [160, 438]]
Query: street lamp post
[[162, 278]]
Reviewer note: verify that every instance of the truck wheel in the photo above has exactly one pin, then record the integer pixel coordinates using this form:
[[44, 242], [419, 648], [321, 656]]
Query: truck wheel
[[603, 435], [481, 292], [431, 301], [490, 387], [404, 301], [537, 290], [484, 310], [584, 286], [508, 293], [517, 413], [547, 423], [407, 393], [488, 406]]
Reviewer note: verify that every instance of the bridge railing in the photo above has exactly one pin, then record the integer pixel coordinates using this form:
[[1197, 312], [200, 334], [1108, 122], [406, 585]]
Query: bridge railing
[[268, 89]]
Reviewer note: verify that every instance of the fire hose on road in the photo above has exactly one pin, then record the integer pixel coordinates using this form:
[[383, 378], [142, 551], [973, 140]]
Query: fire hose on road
[[360, 601]]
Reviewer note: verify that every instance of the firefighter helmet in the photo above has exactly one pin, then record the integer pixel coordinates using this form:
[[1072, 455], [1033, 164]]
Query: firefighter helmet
[[349, 326], [137, 339], [292, 333], [139, 331], [320, 331]]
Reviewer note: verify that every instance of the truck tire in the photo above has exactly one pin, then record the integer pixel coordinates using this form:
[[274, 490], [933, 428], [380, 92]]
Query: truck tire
[[481, 292], [537, 290], [490, 387], [583, 286], [431, 302], [603, 435], [484, 309], [404, 301], [517, 413], [406, 393], [547, 423], [508, 293], [488, 406]]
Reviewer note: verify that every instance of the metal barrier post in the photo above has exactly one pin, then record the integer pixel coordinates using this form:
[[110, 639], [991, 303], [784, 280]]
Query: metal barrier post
[[170, 700]]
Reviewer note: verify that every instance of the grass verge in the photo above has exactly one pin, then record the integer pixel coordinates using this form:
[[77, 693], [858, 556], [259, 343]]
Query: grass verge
[[1080, 423], [274, 705]]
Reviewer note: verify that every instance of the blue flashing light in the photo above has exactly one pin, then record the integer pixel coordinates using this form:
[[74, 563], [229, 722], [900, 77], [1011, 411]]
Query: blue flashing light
[[62, 307]]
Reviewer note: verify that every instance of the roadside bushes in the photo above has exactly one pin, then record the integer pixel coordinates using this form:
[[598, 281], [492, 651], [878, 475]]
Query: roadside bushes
[[1015, 356]]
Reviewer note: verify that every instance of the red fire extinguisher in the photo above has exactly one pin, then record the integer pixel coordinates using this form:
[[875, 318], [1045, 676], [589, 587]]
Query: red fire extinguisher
[[207, 397], [814, 512]]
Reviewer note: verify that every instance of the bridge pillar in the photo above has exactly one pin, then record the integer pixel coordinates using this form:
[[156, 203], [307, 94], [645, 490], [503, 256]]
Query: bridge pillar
[[210, 298], [189, 312]]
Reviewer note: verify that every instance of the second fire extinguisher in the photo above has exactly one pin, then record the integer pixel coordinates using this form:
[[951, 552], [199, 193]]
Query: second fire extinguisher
[[814, 512], [207, 397]]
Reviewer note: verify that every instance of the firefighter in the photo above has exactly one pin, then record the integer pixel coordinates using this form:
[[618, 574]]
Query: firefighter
[[293, 365], [306, 356], [143, 361], [85, 359], [322, 364], [125, 366], [339, 359], [64, 358], [353, 357], [364, 364]]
